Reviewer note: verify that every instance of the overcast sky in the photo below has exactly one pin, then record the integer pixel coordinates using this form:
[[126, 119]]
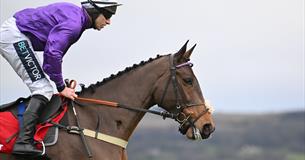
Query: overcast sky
[[249, 55]]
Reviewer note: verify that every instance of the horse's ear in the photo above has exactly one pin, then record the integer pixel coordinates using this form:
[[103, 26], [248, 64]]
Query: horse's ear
[[180, 54], [188, 53]]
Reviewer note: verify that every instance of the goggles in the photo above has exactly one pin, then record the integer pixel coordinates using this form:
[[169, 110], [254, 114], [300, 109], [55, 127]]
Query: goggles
[[105, 13]]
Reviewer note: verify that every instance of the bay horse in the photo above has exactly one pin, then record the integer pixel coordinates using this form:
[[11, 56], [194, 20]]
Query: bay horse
[[167, 81]]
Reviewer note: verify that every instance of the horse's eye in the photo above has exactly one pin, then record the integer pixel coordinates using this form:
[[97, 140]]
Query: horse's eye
[[188, 81]]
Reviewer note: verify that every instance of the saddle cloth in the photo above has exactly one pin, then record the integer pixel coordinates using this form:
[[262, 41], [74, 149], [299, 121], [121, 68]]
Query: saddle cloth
[[45, 131]]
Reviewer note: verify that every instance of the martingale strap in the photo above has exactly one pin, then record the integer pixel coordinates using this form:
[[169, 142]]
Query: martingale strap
[[107, 138]]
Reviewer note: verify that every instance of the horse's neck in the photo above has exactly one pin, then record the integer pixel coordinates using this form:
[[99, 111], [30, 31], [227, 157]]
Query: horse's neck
[[133, 89]]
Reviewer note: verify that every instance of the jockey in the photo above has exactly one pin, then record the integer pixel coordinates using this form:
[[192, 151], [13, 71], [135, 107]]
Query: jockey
[[51, 29]]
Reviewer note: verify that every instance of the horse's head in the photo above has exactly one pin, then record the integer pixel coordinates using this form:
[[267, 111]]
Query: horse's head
[[178, 92]]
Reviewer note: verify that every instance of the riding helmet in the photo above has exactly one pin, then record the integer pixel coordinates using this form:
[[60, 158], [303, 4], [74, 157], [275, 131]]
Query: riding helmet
[[96, 7]]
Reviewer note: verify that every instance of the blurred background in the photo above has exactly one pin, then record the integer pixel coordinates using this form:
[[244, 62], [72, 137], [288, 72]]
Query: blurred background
[[249, 61]]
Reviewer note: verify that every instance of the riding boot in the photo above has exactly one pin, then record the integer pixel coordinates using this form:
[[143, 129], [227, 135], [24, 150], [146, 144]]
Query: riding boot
[[25, 142]]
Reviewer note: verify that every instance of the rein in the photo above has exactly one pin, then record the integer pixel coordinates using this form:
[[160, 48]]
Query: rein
[[164, 114], [185, 120]]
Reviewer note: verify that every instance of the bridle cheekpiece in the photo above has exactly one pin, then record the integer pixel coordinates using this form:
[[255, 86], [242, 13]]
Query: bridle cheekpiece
[[185, 121]]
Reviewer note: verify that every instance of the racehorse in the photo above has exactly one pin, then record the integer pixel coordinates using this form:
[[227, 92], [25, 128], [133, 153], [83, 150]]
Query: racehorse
[[167, 81]]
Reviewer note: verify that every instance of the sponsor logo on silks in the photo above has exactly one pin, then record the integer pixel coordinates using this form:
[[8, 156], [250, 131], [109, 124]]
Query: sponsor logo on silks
[[1, 145], [29, 60]]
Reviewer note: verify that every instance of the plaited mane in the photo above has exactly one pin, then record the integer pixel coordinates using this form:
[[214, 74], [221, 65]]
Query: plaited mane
[[92, 87]]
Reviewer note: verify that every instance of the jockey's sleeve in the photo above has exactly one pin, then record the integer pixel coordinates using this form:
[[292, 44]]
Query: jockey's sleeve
[[60, 38]]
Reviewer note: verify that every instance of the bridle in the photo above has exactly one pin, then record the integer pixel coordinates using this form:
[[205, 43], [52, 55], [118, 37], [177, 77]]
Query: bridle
[[186, 121]]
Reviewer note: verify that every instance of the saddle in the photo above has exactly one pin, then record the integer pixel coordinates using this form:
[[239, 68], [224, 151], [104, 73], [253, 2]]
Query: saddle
[[45, 131]]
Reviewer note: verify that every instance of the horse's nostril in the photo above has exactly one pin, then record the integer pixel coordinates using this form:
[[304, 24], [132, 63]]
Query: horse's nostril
[[208, 128]]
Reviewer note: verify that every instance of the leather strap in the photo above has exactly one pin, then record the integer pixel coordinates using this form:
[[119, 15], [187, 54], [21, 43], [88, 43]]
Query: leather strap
[[97, 101], [107, 138]]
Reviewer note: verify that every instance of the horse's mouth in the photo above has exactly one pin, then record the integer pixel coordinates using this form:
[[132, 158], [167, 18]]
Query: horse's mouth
[[196, 134], [205, 136]]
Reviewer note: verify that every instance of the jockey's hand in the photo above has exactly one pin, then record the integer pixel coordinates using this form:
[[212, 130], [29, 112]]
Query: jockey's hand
[[69, 93]]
